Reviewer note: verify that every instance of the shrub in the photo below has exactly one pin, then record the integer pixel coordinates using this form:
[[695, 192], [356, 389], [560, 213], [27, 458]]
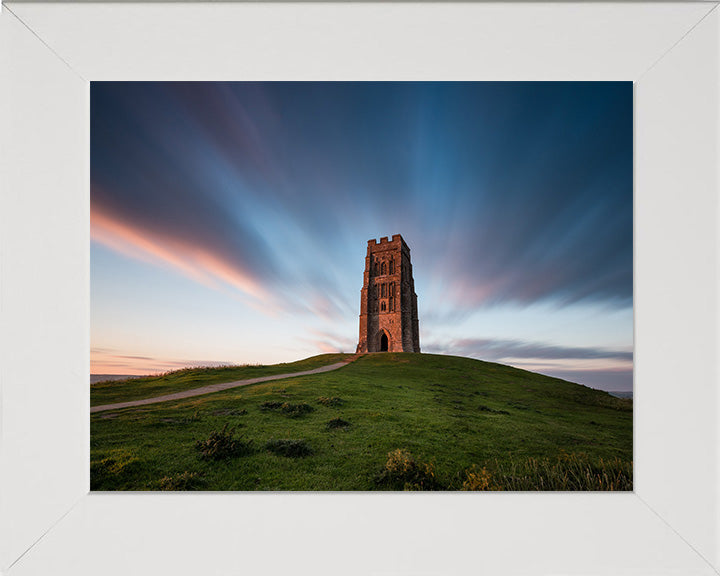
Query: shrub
[[221, 445], [291, 410], [270, 405], [289, 448], [107, 472], [336, 423], [478, 480], [182, 482], [403, 472], [331, 401], [295, 410]]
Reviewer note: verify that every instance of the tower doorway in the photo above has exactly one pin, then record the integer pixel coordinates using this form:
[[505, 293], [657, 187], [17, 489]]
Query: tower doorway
[[383, 342]]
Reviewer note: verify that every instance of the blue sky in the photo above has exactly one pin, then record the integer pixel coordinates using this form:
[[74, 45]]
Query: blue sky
[[229, 221]]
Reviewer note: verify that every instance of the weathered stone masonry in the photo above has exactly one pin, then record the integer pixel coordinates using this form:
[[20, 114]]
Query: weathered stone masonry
[[388, 303]]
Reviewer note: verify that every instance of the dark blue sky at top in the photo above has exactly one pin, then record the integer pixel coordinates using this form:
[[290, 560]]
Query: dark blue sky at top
[[522, 191], [508, 193]]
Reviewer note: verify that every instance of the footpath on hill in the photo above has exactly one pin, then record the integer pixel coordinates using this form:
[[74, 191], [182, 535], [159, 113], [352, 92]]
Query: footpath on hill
[[217, 388]]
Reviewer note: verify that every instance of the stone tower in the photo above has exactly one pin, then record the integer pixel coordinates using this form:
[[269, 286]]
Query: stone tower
[[388, 303]]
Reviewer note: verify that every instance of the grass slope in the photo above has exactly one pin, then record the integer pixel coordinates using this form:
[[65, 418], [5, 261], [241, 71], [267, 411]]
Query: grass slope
[[109, 392], [413, 421]]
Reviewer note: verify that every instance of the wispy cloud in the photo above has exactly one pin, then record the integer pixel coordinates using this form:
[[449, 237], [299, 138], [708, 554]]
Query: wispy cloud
[[331, 342], [109, 361], [499, 350], [187, 255]]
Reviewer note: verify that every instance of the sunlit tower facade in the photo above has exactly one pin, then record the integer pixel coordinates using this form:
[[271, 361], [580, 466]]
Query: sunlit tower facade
[[388, 303]]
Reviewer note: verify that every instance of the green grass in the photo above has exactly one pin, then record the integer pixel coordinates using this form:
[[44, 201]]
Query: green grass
[[109, 392], [453, 417]]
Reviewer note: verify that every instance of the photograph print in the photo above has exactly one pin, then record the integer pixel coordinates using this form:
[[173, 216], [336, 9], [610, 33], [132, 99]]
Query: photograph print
[[361, 286]]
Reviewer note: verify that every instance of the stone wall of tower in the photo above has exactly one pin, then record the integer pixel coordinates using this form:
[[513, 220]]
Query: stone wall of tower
[[388, 303]]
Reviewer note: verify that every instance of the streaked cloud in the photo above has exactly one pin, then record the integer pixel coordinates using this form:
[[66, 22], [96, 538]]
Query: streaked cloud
[[109, 361], [189, 257], [491, 349], [331, 342]]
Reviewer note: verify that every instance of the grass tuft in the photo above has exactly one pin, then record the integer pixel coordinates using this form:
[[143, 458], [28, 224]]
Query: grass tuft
[[403, 472], [289, 448], [291, 410], [478, 479], [112, 470], [230, 412], [336, 423], [221, 445], [484, 408], [182, 482], [566, 472]]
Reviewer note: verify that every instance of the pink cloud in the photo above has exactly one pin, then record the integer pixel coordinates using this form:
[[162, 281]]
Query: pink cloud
[[197, 263], [108, 361]]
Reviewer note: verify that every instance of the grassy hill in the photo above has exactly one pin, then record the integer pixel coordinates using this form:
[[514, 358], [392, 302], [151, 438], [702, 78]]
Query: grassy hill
[[383, 422], [109, 392]]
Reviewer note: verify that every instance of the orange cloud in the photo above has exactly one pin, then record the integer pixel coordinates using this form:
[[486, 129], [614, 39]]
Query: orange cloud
[[194, 262]]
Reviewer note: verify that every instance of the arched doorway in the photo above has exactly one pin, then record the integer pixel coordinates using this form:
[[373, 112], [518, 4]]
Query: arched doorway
[[383, 342]]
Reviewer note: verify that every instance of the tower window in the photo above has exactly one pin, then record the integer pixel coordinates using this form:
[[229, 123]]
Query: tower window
[[382, 306], [384, 268], [392, 266], [383, 290]]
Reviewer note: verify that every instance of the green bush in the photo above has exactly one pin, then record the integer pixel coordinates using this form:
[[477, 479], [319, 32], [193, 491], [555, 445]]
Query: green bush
[[271, 405], [221, 445], [296, 410], [105, 474], [291, 410], [289, 448]]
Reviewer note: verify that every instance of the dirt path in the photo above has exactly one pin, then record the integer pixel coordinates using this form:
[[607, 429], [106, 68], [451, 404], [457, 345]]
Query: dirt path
[[216, 388]]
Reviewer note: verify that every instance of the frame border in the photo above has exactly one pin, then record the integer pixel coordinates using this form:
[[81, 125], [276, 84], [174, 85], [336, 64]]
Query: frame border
[[49, 522]]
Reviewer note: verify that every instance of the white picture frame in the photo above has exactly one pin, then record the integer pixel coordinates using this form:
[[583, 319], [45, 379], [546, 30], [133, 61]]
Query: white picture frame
[[50, 524]]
